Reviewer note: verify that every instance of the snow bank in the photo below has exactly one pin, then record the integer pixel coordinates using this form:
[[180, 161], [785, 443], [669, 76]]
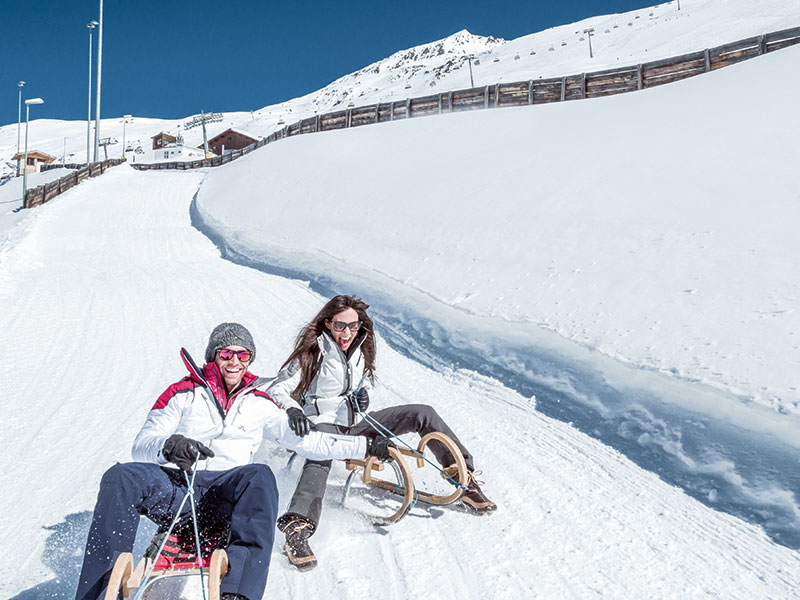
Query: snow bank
[[655, 228]]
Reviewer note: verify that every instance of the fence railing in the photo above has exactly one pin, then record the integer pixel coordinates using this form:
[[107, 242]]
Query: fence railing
[[48, 191], [533, 91], [203, 162]]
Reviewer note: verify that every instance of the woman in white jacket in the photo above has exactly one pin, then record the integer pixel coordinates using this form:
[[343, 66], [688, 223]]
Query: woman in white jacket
[[323, 385]]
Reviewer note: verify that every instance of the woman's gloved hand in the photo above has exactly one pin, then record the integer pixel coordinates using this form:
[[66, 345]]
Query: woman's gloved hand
[[298, 422], [379, 447]]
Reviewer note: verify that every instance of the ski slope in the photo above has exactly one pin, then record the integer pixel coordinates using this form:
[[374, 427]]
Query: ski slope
[[104, 285], [599, 296]]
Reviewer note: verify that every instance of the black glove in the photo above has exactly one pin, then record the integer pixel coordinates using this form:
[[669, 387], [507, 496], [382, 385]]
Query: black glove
[[183, 451], [298, 421], [362, 400], [379, 447]]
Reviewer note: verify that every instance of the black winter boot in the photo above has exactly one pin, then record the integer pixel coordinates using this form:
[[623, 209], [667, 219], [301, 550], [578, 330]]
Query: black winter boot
[[297, 531], [473, 499]]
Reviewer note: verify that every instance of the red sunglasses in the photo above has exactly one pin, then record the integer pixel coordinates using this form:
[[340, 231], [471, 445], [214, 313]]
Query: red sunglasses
[[244, 355]]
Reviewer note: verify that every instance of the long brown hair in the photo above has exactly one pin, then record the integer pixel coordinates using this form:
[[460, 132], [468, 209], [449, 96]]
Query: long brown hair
[[306, 349]]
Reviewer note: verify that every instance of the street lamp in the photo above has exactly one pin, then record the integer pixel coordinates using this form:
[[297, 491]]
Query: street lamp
[[91, 25], [125, 120], [589, 33], [99, 77], [19, 120], [25, 167]]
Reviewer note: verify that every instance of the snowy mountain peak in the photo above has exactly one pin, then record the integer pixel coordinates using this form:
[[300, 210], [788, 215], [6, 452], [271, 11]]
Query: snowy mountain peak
[[460, 43]]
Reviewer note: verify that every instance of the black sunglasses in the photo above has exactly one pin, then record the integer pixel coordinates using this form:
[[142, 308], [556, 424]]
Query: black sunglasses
[[341, 325]]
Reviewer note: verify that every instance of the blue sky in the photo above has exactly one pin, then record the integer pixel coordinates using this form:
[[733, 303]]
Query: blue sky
[[172, 58]]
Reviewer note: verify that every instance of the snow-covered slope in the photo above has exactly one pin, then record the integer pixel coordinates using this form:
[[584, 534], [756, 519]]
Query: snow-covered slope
[[646, 34], [601, 221], [110, 279], [646, 270], [630, 260]]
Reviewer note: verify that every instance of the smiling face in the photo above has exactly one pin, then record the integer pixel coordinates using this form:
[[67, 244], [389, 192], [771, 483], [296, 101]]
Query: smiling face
[[233, 369], [345, 337]]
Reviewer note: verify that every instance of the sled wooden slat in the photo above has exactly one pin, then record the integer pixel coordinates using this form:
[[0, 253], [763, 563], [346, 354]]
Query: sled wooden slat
[[461, 478], [118, 581], [217, 569], [135, 580], [404, 487]]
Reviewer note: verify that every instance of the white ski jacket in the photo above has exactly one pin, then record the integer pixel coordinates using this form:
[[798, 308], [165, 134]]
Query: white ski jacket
[[193, 408], [326, 400]]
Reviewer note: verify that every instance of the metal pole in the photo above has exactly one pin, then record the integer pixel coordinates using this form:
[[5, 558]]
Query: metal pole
[[471, 82], [205, 140], [91, 25], [99, 77], [124, 123], [25, 167], [19, 120], [25, 164], [589, 33]]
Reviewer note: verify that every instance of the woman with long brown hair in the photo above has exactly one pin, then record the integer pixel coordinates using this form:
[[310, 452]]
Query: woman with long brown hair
[[324, 385]]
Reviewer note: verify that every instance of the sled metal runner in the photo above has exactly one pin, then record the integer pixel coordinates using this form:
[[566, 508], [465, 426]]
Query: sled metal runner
[[403, 484]]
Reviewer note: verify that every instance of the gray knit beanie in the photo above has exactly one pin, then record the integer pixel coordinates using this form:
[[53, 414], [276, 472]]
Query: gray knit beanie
[[229, 334]]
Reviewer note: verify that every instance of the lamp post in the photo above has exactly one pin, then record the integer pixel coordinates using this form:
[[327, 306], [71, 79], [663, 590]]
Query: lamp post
[[91, 25], [25, 166], [99, 77], [19, 119], [471, 82], [125, 120]]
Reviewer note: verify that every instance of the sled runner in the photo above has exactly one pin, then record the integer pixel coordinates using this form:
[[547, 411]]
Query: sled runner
[[177, 562], [403, 484]]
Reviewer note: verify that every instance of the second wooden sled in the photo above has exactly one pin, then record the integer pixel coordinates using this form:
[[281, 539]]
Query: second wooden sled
[[125, 581], [403, 484]]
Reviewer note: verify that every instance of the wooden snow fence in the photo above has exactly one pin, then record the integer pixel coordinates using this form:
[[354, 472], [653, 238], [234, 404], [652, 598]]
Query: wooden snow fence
[[522, 93], [48, 191], [198, 164]]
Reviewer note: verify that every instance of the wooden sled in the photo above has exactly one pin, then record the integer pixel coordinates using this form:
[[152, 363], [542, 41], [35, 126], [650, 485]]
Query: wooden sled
[[125, 580], [403, 484]]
